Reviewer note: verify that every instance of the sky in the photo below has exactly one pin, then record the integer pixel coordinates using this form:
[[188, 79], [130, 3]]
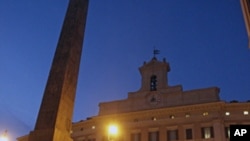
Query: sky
[[205, 43]]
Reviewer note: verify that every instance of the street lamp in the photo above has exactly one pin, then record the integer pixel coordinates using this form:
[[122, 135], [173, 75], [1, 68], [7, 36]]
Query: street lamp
[[4, 136], [112, 132]]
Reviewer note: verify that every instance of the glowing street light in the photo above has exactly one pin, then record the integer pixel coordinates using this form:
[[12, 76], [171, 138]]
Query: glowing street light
[[4, 136], [112, 132]]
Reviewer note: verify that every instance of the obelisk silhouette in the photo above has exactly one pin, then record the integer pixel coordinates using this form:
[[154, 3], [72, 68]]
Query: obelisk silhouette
[[55, 115]]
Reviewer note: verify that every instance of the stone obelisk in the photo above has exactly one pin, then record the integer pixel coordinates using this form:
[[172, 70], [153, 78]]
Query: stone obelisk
[[55, 116]]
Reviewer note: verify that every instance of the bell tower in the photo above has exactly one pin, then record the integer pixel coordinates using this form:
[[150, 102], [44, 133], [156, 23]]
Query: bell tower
[[154, 75], [55, 115]]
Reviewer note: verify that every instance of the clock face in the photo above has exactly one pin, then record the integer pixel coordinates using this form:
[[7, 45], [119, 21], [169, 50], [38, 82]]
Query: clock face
[[154, 99]]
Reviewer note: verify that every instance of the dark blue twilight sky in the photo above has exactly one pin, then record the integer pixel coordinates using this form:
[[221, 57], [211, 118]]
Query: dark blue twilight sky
[[205, 43]]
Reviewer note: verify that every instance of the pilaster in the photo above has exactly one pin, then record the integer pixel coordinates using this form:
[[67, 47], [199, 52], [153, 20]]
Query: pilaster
[[219, 134], [163, 133]]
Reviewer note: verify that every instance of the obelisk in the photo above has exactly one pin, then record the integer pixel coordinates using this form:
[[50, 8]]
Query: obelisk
[[55, 115]]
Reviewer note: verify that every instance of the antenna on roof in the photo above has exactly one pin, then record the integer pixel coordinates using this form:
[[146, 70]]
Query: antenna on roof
[[155, 52]]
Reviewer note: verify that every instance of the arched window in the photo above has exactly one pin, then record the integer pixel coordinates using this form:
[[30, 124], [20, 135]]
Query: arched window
[[153, 83]]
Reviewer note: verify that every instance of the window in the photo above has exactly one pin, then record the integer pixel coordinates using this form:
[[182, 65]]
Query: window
[[153, 136], [172, 135], [227, 132], [154, 118], [153, 83], [207, 132], [189, 134], [245, 112], [227, 113], [187, 115], [136, 137], [205, 114], [171, 116]]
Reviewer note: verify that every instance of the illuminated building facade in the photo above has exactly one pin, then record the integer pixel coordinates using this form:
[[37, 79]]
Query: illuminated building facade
[[159, 112]]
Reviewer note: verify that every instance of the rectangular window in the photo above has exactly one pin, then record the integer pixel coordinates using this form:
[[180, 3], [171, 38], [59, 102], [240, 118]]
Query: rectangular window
[[189, 134], [227, 132], [207, 132], [153, 136], [136, 137], [172, 135]]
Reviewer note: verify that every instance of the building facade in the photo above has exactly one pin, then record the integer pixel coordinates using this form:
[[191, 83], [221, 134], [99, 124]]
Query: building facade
[[159, 112]]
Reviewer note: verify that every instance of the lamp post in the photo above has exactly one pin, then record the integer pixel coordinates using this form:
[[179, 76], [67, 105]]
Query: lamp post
[[112, 132], [4, 136]]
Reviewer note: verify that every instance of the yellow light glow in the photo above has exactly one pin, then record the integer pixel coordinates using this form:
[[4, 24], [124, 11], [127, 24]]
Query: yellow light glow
[[3, 138], [113, 130]]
